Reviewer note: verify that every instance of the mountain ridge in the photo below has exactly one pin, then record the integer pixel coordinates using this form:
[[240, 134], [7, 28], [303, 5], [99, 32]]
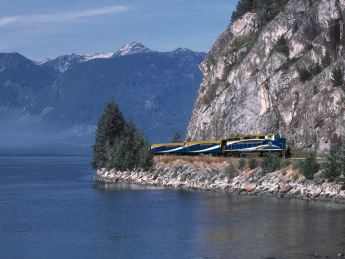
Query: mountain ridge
[[156, 88]]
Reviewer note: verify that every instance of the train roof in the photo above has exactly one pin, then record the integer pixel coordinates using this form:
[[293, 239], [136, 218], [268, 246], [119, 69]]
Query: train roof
[[218, 141], [167, 144], [253, 136]]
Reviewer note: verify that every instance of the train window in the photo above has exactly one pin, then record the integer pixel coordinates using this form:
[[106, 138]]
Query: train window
[[247, 137], [262, 137]]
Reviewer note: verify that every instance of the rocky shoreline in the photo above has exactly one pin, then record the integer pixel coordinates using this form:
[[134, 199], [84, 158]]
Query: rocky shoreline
[[211, 178]]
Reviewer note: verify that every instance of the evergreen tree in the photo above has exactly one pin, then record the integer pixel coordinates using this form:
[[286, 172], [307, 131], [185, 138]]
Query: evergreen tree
[[117, 154], [177, 138], [317, 68], [130, 150], [281, 41], [146, 156], [304, 74], [309, 166], [110, 126], [337, 76], [341, 162], [330, 168], [242, 7], [326, 59]]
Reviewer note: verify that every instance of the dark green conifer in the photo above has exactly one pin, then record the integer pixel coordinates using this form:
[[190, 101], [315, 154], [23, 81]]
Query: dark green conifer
[[146, 156], [110, 126], [242, 7], [337, 76], [176, 138], [326, 59], [317, 68], [130, 150], [330, 168], [304, 74]]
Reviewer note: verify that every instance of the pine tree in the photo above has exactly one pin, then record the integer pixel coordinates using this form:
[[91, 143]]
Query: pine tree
[[304, 74], [337, 76], [281, 41], [110, 126], [177, 138], [130, 150], [146, 156], [317, 68], [326, 59], [242, 7], [330, 168], [341, 157]]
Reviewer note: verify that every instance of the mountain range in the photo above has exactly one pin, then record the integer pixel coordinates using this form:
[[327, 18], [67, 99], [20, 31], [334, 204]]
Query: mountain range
[[52, 107]]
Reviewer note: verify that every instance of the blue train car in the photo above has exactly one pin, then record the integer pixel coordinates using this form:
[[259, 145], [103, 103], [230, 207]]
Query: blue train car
[[210, 146], [261, 143], [167, 148], [232, 146]]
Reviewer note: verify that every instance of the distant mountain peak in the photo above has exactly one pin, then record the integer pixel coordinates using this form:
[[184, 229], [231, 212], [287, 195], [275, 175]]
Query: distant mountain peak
[[131, 48]]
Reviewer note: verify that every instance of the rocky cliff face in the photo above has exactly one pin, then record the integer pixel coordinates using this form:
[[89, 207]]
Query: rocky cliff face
[[257, 95]]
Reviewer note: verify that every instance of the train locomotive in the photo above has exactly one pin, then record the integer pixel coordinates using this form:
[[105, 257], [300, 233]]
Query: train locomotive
[[232, 146]]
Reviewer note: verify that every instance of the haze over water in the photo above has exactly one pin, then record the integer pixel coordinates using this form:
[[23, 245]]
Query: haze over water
[[51, 208]]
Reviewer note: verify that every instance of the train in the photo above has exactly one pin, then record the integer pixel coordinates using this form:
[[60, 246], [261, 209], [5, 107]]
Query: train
[[237, 146]]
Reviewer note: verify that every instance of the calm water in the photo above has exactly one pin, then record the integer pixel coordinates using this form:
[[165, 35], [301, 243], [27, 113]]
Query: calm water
[[51, 208]]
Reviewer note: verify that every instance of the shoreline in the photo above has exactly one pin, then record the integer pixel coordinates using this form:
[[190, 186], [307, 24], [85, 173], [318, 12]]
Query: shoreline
[[213, 178]]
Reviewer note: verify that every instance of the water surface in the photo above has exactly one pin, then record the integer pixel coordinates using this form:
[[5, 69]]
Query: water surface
[[51, 208]]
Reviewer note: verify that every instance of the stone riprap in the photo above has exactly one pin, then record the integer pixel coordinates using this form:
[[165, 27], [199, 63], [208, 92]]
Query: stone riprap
[[188, 176]]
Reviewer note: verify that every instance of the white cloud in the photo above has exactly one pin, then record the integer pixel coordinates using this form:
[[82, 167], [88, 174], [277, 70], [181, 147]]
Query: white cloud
[[62, 16]]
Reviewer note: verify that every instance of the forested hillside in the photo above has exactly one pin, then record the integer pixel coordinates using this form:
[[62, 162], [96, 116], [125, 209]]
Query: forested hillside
[[58, 111]]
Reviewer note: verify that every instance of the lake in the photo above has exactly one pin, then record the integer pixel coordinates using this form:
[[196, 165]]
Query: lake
[[51, 208]]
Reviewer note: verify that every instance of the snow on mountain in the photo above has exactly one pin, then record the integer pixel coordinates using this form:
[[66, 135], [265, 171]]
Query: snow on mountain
[[62, 63], [130, 49]]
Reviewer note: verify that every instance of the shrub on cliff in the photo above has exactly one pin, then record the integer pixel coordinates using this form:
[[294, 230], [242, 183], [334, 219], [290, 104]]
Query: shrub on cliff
[[315, 68], [326, 59], [242, 7], [309, 166], [304, 74], [110, 126], [280, 46], [337, 76]]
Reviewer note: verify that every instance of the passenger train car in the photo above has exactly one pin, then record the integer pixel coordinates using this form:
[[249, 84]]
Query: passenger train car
[[232, 146]]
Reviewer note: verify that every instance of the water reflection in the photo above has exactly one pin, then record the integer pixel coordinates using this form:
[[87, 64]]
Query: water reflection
[[112, 187], [221, 225], [259, 227]]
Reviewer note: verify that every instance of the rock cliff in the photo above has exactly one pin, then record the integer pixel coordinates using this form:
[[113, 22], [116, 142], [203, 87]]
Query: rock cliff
[[249, 88]]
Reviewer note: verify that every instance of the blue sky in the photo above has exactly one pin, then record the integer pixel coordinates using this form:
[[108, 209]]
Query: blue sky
[[41, 29]]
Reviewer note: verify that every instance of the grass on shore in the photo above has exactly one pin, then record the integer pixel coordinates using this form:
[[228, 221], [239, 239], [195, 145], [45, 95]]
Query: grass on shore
[[222, 162]]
